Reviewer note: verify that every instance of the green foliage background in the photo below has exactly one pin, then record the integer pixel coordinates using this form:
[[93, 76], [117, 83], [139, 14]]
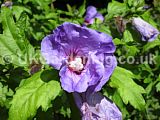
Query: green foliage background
[[30, 89]]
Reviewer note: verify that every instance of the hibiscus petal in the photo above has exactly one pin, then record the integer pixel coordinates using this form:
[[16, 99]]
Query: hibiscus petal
[[72, 36], [110, 63], [51, 52]]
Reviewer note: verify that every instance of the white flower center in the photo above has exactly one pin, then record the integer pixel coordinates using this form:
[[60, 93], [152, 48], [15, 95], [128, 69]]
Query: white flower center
[[76, 64]]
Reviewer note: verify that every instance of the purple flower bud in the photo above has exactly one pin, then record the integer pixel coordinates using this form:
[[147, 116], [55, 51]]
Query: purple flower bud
[[83, 56], [147, 31], [94, 106], [91, 14]]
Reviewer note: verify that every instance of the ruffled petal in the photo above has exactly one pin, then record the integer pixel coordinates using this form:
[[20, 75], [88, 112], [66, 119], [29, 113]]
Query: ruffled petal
[[71, 82], [84, 40], [110, 63], [92, 74], [52, 52], [96, 46], [96, 70]]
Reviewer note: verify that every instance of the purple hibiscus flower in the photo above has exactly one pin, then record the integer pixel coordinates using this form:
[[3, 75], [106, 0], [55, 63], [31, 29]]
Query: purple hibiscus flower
[[94, 106], [91, 14], [83, 56], [147, 31]]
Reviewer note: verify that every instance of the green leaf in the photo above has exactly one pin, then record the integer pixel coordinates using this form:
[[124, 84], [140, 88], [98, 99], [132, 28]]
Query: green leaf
[[147, 16], [131, 50], [118, 42], [127, 36], [157, 61], [116, 8], [151, 45], [5, 92], [41, 4], [129, 91], [158, 84], [135, 3], [82, 9], [18, 10], [32, 94], [69, 8], [118, 101], [158, 87], [14, 46], [156, 4]]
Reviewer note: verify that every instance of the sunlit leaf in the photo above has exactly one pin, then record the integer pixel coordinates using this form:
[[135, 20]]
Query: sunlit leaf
[[5, 92], [115, 9], [14, 47], [151, 45], [32, 94], [129, 91]]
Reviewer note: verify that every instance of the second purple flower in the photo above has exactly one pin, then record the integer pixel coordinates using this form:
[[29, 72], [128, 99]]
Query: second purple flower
[[83, 56], [91, 14], [147, 31], [94, 106]]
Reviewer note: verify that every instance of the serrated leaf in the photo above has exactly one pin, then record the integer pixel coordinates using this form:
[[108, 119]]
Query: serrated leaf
[[5, 92], [118, 42], [135, 3], [131, 50], [41, 4], [116, 8], [127, 36], [158, 86], [151, 45], [14, 47], [32, 94], [82, 9], [118, 101], [129, 91], [18, 10]]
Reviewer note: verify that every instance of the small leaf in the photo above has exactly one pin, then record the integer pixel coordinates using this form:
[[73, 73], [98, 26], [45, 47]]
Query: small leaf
[[41, 4], [127, 36], [18, 10], [82, 9], [118, 42], [158, 84], [129, 91], [115, 9], [149, 88], [32, 94], [151, 45], [5, 94], [135, 3], [131, 50], [158, 87], [69, 8]]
